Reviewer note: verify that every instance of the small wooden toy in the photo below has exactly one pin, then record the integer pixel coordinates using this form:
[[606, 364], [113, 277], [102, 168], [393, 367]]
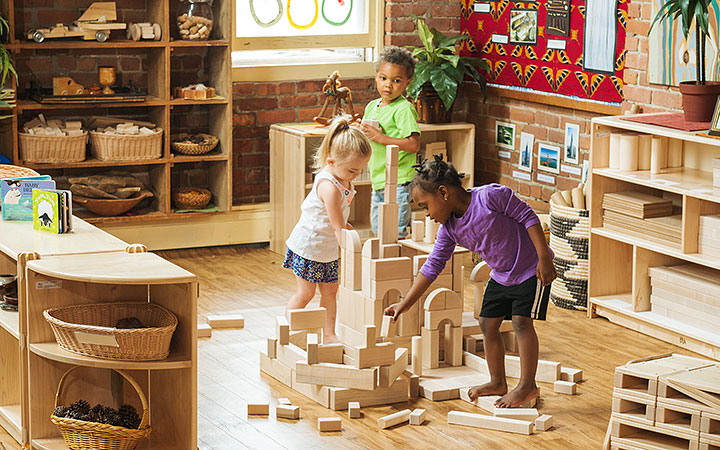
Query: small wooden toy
[[334, 90], [93, 24]]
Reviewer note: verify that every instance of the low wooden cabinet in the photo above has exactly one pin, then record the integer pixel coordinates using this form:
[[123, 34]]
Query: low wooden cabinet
[[622, 257], [292, 147]]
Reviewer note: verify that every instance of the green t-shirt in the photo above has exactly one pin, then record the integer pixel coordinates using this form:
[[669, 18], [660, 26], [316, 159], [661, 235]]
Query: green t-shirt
[[397, 120]]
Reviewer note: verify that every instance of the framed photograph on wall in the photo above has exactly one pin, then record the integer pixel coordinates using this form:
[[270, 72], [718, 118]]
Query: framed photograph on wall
[[715, 123], [523, 26], [549, 158], [527, 144], [571, 150], [505, 135]]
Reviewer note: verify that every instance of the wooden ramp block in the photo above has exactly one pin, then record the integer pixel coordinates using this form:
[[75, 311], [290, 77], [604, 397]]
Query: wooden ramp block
[[543, 423], [337, 375], [388, 374], [565, 387], [394, 419], [307, 318], [299, 338], [276, 369], [258, 409], [282, 330], [287, 412], [573, 375], [517, 413], [417, 417], [204, 330], [490, 422], [226, 321], [329, 424], [354, 410]]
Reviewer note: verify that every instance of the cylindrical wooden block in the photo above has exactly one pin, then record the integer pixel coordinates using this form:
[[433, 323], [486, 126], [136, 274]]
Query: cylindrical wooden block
[[644, 145], [417, 355], [567, 196], [629, 152], [615, 150], [558, 199], [675, 153], [657, 154], [578, 198]]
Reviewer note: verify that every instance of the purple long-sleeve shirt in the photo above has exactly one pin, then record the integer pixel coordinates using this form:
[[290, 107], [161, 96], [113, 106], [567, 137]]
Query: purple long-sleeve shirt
[[495, 226]]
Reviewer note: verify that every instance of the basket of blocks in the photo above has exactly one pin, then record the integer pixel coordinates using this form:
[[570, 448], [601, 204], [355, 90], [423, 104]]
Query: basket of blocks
[[52, 149], [569, 238], [121, 331], [126, 147]]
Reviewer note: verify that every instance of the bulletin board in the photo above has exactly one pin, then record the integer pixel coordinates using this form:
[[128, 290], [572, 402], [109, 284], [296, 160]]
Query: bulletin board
[[577, 49]]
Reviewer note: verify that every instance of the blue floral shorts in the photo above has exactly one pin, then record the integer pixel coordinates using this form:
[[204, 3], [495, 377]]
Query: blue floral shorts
[[312, 271]]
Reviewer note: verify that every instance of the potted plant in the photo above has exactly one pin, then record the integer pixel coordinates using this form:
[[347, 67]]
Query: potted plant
[[699, 96], [438, 73], [6, 65]]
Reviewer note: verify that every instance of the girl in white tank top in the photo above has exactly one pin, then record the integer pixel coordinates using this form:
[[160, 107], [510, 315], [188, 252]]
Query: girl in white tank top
[[313, 244]]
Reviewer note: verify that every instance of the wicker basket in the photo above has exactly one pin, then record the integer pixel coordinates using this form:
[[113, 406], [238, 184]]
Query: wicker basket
[[99, 319], [82, 435], [569, 233], [191, 197], [193, 149], [124, 147], [52, 149]]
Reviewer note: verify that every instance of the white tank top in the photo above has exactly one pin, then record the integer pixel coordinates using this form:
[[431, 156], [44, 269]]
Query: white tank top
[[313, 237]]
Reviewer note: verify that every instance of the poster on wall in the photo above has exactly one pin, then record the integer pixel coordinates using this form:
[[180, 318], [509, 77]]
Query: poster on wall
[[527, 142], [554, 62], [671, 58], [572, 136], [549, 158]]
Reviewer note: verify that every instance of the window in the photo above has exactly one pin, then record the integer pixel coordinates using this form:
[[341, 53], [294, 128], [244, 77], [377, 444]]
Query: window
[[297, 39]]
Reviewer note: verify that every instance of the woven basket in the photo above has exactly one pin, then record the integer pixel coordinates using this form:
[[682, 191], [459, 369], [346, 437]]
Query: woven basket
[[569, 233], [82, 435], [193, 149], [99, 319], [191, 197], [52, 149], [124, 147]]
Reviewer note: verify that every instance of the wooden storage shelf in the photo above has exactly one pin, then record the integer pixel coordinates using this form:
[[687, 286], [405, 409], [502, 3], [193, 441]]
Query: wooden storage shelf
[[51, 350], [32, 105], [94, 162], [217, 100], [138, 216], [89, 45], [212, 156], [213, 43], [9, 322], [620, 283], [11, 420]]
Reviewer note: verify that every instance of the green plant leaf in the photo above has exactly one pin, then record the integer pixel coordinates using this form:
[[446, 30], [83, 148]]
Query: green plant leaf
[[424, 33], [445, 85], [422, 75], [701, 16], [449, 41], [452, 59]]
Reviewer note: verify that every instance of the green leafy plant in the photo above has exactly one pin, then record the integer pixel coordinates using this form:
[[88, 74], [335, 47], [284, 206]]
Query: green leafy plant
[[440, 64], [688, 10], [6, 65]]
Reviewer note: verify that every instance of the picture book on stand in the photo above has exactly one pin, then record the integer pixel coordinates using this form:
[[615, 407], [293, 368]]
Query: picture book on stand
[[16, 196], [52, 210]]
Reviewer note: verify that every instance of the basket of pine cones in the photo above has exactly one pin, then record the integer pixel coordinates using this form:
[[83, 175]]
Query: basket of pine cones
[[193, 144], [100, 427]]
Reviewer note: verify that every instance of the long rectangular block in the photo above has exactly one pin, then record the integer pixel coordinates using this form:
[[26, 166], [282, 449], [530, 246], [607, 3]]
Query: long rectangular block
[[329, 424], [565, 387], [418, 230], [320, 394], [276, 369], [258, 409], [312, 348], [417, 355], [394, 419], [431, 348], [204, 330], [338, 375], [290, 354], [330, 353], [226, 321], [490, 422], [388, 221], [307, 318], [282, 330], [547, 371], [390, 268], [380, 355], [271, 347], [388, 328], [340, 397], [517, 413]]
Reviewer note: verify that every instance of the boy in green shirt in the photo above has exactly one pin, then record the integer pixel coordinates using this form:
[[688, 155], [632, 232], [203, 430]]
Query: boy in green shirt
[[397, 118]]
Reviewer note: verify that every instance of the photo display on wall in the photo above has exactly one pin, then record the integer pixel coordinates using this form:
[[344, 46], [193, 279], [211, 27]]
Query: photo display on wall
[[573, 48]]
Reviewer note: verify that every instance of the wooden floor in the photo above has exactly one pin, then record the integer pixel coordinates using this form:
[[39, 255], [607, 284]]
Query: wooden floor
[[251, 281]]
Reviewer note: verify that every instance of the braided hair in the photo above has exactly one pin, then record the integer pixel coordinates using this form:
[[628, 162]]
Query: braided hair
[[432, 173]]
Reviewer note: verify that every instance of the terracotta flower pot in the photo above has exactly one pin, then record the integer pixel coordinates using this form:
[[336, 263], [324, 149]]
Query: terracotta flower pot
[[699, 100], [430, 106]]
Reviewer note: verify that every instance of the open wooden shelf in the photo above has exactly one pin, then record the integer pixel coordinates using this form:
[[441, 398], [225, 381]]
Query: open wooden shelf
[[11, 420], [217, 100], [10, 322], [213, 43], [51, 350], [691, 182], [32, 105], [94, 162]]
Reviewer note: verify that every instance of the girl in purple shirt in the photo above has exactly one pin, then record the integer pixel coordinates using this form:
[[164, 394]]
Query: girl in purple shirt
[[506, 233]]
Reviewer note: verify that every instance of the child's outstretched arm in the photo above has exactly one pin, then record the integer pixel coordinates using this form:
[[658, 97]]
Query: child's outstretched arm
[[416, 290], [410, 144], [545, 269], [332, 198]]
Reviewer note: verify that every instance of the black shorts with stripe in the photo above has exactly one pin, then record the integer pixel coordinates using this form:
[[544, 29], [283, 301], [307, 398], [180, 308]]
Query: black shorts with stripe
[[527, 299]]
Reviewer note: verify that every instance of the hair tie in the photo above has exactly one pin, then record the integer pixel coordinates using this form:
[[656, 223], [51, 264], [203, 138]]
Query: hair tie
[[345, 127]]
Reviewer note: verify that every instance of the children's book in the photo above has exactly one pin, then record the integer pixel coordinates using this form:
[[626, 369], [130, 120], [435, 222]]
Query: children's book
[[16, 196], [47, 210]]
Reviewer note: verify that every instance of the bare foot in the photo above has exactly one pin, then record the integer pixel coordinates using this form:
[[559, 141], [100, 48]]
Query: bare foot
[[330, 338], [491, 388], [518, 396]]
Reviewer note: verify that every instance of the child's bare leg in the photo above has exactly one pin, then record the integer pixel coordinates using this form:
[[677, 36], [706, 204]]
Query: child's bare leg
[[304, 293], [328, 300], [526, 389], [495, 357]]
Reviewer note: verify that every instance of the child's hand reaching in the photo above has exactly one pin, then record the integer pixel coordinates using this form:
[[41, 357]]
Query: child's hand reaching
[[394, 310], [371, 132], [546, 271], [348, 226]]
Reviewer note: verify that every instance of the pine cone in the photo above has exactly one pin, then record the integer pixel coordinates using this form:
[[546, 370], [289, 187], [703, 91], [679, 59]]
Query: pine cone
[[129, 417], [60, 411], [81, 406]]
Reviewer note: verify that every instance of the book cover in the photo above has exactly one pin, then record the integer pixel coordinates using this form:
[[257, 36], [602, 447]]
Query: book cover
[[16, 196], [46, 210]]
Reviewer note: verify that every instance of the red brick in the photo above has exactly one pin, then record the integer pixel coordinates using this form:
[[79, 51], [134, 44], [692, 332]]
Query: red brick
[[644, 46], [242, 119], [536, 191], [539, 206], [257, 176], [667, 99], [584, 142], [440, 24], [243, 146], [243, 88], [53, 16], [523, 188], [540, 133], [252, 160], [397, 10], [129, 64], [66, 63], [307, 114], [636, 60], [399, 25], [299, 101], [631, 43], [579, 123], [630, 76], [509, 182], [636, 26], [522, 115], [356, 85], [637, 94], [245, 190], [556, 136], [276, 116], [249, 132], [565, 184], [448, 9], [402, 40], [547, 192], [256, 104], [499, 111], [634, 10], [646, 13], [267, 89], [310, 86]]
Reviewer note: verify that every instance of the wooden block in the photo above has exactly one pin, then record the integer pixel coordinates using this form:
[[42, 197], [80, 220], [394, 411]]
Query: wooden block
[[547, 371], [320, 394], [390, 193], [544, 422], [390, 268], [394, 419], [378, 289], [409, 323], [388, 223], [453, 345], [276, 369], [329, 424], [282, 330], [351, 240], [431, 348], [337, 375], [417, 417], [388, 327], [287, 412], [390, 250], [433, 318], [417, 355], [490, 422], [510, 341], [354, 410], [436, 391], [284, 401], [290, 354], [204, 330], [258, 409], [388, 374], [442, 281], [340, 397], [418, 230], [486, 403], [565, 387], [391, 155], [517, 413], [353, 270], [458, 284], [312, 349], [299, 338], [431, 229], [573, 375], [379, 355], [391, 175], [371, 248], [435, 301], [330, 353], [307, 318], [476, 363], [373, 313], [414, 381], [370, 336], [272, 347]]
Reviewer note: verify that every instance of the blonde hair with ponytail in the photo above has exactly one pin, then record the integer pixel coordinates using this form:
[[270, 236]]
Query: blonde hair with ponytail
[[342, 142]]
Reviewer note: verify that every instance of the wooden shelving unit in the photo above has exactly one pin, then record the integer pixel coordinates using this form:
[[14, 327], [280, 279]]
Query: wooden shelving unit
[[162, 69], [619, 282], [292, 147]]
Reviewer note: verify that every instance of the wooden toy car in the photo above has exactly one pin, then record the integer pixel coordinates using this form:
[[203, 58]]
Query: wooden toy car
[[93, 24]]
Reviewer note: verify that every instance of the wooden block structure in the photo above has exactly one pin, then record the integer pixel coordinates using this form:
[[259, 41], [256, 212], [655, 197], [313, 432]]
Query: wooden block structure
[[226, 321], [329, 424], [442, 306]]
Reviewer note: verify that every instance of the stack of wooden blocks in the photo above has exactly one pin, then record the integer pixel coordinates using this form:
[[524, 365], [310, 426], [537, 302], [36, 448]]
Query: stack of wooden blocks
[[53, 127], [687, 293], [666, 402], [709, 234], [630, 211]]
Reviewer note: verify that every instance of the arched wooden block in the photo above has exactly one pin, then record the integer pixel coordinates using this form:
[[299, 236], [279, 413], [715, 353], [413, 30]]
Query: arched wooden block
[[480, 273], [351, 240], [442, 298], [371, 248]]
